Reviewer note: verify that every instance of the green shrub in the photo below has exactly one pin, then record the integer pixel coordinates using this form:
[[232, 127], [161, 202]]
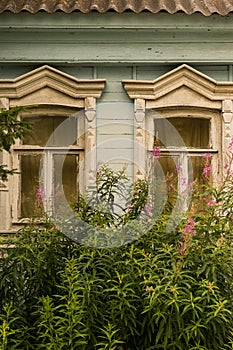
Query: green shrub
[[169, 289]]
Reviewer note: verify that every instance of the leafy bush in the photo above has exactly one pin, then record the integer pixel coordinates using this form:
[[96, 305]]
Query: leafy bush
[[11, 129], [167, 290], [112, 202]]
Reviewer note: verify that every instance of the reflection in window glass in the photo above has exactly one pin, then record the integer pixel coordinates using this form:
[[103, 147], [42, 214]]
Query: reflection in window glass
[[164, 186], [69, 166], [32, 196], [197, 169], [30, 165], [44, 127], [179, 131]]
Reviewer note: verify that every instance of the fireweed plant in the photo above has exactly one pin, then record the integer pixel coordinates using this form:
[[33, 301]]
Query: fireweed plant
[[166, 290]]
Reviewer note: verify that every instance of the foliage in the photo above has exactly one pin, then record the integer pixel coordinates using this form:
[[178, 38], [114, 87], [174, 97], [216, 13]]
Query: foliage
[[10, 129], [151, 294], [166, 290], [112, 202]]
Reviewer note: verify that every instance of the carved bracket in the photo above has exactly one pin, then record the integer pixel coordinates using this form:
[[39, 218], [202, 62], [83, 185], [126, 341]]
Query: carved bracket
[[227, 114], [139, 138], [90, 141]]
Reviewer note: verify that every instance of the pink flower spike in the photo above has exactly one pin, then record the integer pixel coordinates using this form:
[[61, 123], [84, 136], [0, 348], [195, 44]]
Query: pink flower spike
[[191, 221], [207, 170], [40, 194], [189, 228], [156, 152]]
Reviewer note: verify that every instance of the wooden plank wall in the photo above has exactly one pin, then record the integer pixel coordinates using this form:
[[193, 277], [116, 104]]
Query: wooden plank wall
[[116, 47]]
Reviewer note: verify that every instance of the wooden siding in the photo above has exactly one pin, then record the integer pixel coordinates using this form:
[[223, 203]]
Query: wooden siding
[[115, 39], [115, 109], [116, 47]]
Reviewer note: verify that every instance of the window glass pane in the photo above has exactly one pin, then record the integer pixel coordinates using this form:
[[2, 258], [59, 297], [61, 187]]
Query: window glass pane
[[30, 204], [180, 131], [44, 127], [202, 175], [164, 179], [69, 177], [197, 169]]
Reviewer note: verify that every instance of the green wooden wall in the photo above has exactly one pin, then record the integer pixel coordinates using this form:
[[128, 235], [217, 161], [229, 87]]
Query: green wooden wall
[[116, 47]]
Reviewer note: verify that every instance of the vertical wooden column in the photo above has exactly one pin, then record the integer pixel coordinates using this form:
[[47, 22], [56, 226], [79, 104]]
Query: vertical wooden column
[[90, 142], [140, 150]]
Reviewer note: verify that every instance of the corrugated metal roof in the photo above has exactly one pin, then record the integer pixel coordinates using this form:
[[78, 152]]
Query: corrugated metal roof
[[206, 7]]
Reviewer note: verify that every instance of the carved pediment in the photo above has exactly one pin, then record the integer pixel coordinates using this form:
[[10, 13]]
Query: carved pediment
[[183, 96], [49, 85], [183, 86]]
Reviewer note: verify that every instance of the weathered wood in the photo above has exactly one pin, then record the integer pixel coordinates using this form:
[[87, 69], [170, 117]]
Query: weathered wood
[[25, 21]]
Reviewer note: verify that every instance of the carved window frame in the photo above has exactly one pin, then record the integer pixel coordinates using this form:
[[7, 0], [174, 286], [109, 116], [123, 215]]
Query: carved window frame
[[48, 89], [182, 89]]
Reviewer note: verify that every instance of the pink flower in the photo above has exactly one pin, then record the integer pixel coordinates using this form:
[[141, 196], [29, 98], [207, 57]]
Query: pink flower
[[207, 155], [212, 203], [183, 181], [148, 289], [189, 227], [156, 152], [190, 186], [178, 167], [207, 170], [170, 187], [230, 146], [40, 194], [148, 209]]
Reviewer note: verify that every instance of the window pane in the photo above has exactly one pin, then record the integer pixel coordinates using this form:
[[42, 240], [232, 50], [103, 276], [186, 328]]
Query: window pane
[[44, 127], [30, 204], [69, 177], [178, 132], [164, 180], [197, 169], [202, 175]]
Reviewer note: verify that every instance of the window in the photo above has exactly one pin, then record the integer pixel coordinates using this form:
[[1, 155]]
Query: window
[[52, 145], [186, 152], [197, 108], [57, 98]]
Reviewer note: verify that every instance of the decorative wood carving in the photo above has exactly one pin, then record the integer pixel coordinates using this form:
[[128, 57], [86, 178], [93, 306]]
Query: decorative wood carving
[[51, 88], [227, 114], [47, 85], [180, 89], [181, 86]]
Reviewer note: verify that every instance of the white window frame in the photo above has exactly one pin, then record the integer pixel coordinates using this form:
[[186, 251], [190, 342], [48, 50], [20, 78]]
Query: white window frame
[[184, 154], [181, 88], [215, 139], [47, 87], [20, 149]]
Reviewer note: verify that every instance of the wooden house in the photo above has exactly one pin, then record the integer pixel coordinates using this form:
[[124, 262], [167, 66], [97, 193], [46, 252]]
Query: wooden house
[[116, 69]]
